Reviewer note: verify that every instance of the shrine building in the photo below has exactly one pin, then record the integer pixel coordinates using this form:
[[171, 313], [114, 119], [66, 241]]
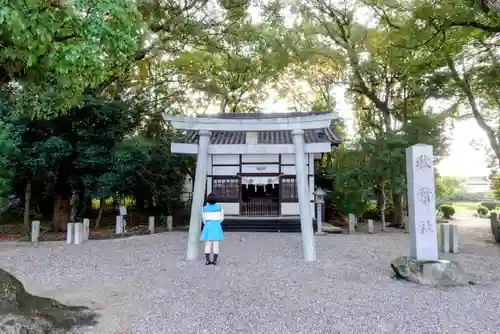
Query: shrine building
[[259, 165]]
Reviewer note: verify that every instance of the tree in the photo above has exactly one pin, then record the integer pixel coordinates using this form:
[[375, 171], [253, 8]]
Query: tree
[[447, 187], [49, 49], [389, 88]]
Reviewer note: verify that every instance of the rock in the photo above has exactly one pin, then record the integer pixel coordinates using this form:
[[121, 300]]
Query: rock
[[22, 312], [436, 273], [331, 229]]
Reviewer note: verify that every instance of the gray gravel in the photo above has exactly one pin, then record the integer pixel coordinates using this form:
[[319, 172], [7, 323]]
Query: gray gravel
[[143, 285]]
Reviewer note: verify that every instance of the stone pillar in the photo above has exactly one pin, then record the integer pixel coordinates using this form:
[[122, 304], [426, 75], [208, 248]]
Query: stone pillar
[[370, 226], [444, 238], [35, 230], [454, 239], [78, 233], [70, 238], [119, 225], [151, 226], [86, 229], [170, 223], [351, 221], [308, 243], [198, 195], [421, 203]]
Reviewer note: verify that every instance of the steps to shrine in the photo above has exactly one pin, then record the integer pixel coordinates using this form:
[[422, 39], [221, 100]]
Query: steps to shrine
[[262, 225]]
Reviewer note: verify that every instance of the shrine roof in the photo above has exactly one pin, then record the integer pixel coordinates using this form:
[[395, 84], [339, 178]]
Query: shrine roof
[[260, 115], [326, 135], [218, 123]]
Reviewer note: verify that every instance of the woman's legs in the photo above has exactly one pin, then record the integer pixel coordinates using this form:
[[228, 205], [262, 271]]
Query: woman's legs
[[216, 250], [208, 246]]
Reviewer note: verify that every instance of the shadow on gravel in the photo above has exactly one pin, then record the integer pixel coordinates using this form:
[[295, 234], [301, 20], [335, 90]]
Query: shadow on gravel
[[22, 312]]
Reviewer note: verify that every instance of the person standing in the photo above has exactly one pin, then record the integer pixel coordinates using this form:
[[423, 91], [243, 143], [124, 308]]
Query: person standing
[[213, 216]]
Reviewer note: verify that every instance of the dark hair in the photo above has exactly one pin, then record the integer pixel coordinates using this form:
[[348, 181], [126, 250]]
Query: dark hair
[[211, 198]]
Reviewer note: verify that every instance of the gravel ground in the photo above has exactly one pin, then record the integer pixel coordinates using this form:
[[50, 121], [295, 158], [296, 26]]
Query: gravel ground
[[261, 285]]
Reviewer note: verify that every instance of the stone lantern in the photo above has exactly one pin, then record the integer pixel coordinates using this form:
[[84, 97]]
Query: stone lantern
[[319, 199]]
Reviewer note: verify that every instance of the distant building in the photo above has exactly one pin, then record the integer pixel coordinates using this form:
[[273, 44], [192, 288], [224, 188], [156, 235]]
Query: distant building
[[477, 184]]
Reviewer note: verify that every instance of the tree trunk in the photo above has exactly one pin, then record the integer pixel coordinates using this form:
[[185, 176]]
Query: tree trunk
[[27, 206], [101, 211], [383, 204], [397, 204], [61, 214], [379, 196]]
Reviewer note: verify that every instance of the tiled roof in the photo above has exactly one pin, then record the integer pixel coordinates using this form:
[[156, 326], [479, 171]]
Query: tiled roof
[[259, 115], [263, 137], [326, 135]]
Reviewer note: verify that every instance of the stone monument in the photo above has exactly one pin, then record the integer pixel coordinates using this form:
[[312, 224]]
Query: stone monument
[[423, 265]]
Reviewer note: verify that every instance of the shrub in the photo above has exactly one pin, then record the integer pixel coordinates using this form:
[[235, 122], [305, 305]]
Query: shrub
[[482, 210], [447, 210], [489, 205]]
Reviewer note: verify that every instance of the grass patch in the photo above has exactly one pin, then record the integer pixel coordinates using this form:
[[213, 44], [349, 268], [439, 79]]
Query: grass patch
[[466, 206]]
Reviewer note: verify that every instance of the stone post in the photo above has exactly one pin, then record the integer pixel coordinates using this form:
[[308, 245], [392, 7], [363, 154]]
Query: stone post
[[319, 218], [151, 226], [35, 230], [170, 223], [421, 203], [370, 226], [70, 236], [444, 238], [119, 225], [352, 223], [78, 233], [86, 229], [198, 196], [319, 199], [493, 222], [308, 242], [453, 239]]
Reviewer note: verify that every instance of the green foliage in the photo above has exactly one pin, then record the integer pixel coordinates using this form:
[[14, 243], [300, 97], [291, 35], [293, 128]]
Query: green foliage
[[447, 188], [55, 50], [489, 205], [447, 210], [482, 210]]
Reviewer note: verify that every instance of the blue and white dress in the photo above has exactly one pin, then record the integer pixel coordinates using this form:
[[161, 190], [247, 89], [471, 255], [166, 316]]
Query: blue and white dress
[[213, 216]]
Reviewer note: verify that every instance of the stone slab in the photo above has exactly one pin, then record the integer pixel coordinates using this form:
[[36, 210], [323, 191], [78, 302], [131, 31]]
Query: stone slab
[[433, 273]]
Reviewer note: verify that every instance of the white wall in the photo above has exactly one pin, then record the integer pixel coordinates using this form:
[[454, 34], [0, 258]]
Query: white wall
[[226, 159], [249, 158], [290, 209], [231, 209], [225, 170]]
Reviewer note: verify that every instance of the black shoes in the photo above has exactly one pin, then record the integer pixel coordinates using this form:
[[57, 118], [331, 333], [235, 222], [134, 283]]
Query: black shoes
[[214, 262]]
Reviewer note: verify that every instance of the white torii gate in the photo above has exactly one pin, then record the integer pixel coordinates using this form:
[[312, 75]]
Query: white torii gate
[[205, 126]]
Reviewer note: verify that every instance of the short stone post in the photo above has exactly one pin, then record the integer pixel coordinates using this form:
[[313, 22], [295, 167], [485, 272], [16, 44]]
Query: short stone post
[[119, 225], [70, 230], [370, 226], [78, 233], [454, 239], [170, 223], [444, 238], [319, 196], [421, 203], [35, 230], [86, 229], [352, 223], [151, 226]]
